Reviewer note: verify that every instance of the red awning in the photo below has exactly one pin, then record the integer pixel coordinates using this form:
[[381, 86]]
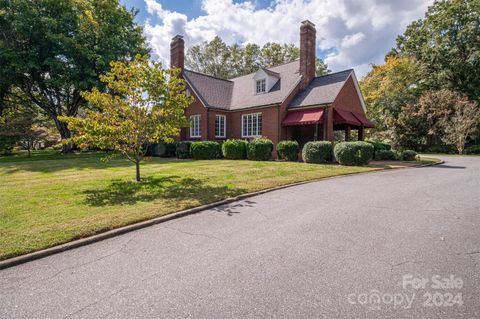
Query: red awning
[[304, 117], [362, 118], [345, 117]]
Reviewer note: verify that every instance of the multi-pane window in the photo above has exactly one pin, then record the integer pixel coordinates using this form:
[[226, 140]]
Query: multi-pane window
[[220, 126], [195, 126], [261, 86], [252, 125]]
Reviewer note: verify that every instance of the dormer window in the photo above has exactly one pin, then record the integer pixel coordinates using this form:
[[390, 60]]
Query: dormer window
[[261, 86]]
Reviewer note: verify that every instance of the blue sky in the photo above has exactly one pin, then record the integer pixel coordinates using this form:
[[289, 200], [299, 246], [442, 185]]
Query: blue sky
[[350, 33]]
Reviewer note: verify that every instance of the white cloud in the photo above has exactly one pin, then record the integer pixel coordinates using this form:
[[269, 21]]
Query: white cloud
[[351, 33]]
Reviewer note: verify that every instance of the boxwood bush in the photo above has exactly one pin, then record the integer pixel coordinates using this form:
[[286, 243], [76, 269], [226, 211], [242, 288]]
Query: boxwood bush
[[409, 155], [379, 146], [354, 153], [288, 150], [183, 149], [385, 155], [203, 150], [317, 152], [164, 149], [234, 149], [260, 149]]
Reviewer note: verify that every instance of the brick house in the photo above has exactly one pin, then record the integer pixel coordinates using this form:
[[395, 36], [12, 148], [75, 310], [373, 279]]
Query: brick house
[[282, 102]]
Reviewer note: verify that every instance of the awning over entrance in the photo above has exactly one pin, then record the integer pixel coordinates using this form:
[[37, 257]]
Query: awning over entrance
[[304, 117], [351, 118], [345, 117], [362, 118]]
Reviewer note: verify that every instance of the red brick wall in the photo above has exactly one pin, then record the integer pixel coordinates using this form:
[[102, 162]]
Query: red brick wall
[[270, 125], [211, 125], [348, 98], [194, 109]]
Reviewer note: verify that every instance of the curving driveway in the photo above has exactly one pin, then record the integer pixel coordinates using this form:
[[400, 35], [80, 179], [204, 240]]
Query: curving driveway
[[395, 244]]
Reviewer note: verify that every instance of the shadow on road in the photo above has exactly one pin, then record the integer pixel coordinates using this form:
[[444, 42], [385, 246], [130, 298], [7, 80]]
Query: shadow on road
[[234, 208], [449, 166]]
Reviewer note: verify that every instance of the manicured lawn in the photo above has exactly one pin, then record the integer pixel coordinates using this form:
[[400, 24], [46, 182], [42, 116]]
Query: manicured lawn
[[50, 199]]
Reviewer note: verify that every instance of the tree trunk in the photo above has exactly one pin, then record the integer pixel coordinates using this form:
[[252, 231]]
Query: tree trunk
[[64, 134], [137, 167]]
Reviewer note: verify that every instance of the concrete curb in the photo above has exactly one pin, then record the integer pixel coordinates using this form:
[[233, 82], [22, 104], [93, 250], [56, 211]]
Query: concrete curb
[[139, 225]]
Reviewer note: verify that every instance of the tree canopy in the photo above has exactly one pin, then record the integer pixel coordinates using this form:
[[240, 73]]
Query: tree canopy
[[218, 59], [54, 49], [143, 104], [447, 41]]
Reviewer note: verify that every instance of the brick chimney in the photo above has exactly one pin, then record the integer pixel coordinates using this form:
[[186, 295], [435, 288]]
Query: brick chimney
[[177, 52], [307, 52]]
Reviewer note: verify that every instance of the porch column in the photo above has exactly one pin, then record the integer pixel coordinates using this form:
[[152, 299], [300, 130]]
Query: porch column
[[348, 133], [361, 133], [328, 124]]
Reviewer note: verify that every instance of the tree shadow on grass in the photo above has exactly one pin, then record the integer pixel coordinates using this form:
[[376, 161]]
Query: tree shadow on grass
[[172, 188]]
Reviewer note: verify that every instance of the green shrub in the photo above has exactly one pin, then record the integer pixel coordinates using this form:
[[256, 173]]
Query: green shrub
[[161, 149], [235, 149], [385, 155], [288, 150], [379, 146], [260, 149], [409, 155], [203, 150], [442, 149], [474, 149], [317, 152], [165, 149], [183, 149], [354, 153]]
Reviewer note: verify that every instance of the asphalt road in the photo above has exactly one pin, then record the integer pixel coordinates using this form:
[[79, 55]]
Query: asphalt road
[[394, 244]]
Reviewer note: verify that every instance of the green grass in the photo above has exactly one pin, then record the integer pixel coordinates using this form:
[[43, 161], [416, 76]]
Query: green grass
[[50, 199]]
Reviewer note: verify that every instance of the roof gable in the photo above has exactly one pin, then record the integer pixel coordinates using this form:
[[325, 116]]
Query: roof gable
[[321, 90]]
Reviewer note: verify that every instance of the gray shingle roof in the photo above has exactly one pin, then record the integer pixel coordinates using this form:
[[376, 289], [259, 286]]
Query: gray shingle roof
[[322, 90], [213, 92], [238, 93]]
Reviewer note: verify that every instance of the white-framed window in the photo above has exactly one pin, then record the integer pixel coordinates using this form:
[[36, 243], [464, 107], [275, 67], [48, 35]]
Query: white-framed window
[[261, 86], [220, 125], [252, 125], [195, 126]]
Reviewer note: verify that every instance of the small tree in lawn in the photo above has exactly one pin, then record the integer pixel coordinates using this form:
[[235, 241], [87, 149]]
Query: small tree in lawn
[[144, 103], [450, 115]]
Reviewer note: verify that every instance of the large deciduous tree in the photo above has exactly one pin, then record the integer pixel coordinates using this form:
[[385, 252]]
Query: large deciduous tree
[[218, 59], [391, 91], [54, 49], [450, 115], [143, 104], [447, 41]]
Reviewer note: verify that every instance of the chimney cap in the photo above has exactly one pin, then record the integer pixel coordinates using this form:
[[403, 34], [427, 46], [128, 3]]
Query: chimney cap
[[308, 23], [178, 36]]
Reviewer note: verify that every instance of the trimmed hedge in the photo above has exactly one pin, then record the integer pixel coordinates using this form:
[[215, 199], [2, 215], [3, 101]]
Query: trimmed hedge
[[317, 152], [409, 155], [203, 150], [379, 146], [442, 149], [163, 149], [474, 149], [354, 153], [385, 155], [183, 149], [288, 150], [234, 149], [260, 149]]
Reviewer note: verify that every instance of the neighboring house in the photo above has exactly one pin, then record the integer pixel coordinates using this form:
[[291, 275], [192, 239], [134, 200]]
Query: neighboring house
[[281, 102]]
